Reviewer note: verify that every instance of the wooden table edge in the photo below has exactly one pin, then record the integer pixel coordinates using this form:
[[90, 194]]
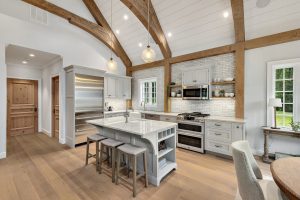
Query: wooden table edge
[[290, 194]]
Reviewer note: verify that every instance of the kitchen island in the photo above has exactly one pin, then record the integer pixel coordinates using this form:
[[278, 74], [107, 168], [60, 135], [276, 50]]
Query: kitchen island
[[145, 133]]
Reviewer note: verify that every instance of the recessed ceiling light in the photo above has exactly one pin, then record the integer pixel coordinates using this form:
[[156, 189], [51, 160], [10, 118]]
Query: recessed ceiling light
[[140, 44], [24, 62], [31, 55], [169, 34], [118, 31], [225, 14], [125, 17]]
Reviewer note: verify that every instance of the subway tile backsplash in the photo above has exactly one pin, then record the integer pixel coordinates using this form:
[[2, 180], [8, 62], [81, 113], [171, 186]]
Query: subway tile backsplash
[[221, 66], [215, 107]]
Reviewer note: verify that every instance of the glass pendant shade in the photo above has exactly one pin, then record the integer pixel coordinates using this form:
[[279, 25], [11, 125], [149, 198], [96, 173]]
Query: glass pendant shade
[[111, 64], [148, 55]]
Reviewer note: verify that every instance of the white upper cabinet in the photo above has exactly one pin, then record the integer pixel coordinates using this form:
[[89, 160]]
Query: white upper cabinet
[[196, 77], [124, 88], [117, 87], [110, 87]]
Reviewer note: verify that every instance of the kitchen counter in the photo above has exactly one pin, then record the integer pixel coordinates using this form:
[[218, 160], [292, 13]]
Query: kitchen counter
[[135, 126], [226, 119], [144, 133]]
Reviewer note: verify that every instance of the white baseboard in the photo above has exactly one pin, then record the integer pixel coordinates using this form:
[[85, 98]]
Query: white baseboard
[[62, 141], [46, 132], [2, 155]]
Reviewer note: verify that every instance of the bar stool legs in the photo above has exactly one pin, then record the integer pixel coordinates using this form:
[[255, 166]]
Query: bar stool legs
[[132, 152], [87, 151], [93, 138], [145, 168]]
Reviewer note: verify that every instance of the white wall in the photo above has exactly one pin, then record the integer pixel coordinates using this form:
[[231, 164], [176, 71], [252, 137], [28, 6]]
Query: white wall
[[58, 37], [256, 95], [49, 71], [23, 72]]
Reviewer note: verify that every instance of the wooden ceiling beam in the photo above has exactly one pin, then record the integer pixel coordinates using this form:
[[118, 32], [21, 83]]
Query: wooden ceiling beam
[[274, 39], [100, 19], [202, 54], [157, 63], [96, 30], [140, 10], [237, 7]]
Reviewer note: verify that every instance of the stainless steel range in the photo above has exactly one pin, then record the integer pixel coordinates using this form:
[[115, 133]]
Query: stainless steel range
[[191, 131]]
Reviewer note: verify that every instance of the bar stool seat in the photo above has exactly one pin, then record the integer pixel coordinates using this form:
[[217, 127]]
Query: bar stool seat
[[93, 138], [111, 142], [132, 150], [96, 137]]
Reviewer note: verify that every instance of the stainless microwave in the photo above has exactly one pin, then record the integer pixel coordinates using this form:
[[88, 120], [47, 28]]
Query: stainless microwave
[[196, 92]]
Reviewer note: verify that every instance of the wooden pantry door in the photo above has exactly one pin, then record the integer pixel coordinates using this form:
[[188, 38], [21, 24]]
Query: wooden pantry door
[[22, 107], [55, 107]]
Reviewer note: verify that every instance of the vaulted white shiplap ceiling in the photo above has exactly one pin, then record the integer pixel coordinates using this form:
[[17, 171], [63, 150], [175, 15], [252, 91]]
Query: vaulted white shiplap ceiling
[[278, 16], [195, 24], [132, 31]]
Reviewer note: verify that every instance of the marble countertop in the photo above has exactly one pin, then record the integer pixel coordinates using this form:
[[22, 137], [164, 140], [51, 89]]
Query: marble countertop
[[217, 118], [135, 125], [226, 119]]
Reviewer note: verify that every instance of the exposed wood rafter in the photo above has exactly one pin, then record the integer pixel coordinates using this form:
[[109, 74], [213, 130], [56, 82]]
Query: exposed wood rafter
[[100, 32], [100, 19], [202, 54], [278, 38], [237, 7], [140, 10]]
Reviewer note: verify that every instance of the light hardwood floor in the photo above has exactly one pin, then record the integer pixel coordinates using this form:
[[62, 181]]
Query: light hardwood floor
[[38, 167]]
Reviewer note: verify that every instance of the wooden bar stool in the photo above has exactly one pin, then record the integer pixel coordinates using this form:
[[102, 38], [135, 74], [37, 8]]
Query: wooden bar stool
[[132, 152], [110, 145], [97, 138]]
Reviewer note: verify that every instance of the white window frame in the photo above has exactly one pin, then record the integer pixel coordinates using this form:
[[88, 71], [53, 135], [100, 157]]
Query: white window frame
[[141, 83], [271, 68]]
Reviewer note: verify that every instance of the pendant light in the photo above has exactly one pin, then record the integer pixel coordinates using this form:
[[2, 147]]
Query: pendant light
[[111, 64], [148, 54]]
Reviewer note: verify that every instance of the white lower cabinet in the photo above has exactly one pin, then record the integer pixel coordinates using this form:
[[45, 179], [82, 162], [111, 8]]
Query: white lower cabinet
[[219, 135]]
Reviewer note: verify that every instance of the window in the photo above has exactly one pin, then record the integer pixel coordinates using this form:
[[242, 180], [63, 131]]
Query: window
[[148, 92], [283, 83], [284, 89]]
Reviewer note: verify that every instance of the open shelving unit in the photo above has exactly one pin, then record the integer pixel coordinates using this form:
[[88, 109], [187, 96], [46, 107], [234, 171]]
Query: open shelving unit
[[223, 83], [166, 158]]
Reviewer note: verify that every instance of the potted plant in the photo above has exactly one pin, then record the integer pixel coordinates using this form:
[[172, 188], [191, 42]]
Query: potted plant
[[295, 126]]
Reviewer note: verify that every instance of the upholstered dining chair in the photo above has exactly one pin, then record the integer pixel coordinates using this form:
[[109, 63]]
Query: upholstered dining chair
[[251, 185]]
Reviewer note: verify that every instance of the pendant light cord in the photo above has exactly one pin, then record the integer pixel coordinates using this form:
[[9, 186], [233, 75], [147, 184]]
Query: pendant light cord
[[148, 23], [111, 29]]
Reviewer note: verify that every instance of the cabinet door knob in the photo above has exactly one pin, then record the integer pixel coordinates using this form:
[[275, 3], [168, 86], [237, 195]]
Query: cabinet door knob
[[217, 124], [218, 146]]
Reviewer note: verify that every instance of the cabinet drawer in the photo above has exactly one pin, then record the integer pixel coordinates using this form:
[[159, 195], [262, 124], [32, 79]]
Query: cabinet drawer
[[168, 118], [219, 135], [218, 147], [219, 125]]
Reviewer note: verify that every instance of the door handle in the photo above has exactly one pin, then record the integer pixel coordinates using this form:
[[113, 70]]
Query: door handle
[[35, 109]]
